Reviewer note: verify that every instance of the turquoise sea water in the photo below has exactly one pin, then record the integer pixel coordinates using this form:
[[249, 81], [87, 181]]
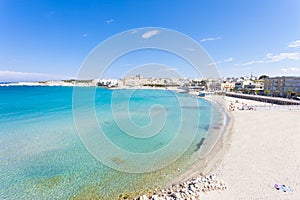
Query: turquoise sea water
[[42, 156]]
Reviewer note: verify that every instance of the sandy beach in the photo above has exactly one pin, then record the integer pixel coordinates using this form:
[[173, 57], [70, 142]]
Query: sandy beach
[[263, 149]]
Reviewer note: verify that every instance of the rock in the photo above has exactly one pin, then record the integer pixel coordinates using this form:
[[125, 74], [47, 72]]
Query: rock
[[190, 189], [213, 176], [175, 195], [124, 196], [197, 185], [144, 197]]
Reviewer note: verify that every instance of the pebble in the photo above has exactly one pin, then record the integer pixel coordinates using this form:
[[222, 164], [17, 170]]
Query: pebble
[[190, 189]]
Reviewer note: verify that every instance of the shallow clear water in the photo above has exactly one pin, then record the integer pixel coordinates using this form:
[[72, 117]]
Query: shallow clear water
[[42, 156]]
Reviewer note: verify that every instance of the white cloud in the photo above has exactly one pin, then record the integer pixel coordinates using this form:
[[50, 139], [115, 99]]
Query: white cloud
[[282, 56], [210, 39], [15, 73], [294, 44], [222, 61], [85, 35], [109, 21], [251, 62], [269, 58], [291, 69], [150, 34], [7, 76], [228, 59]]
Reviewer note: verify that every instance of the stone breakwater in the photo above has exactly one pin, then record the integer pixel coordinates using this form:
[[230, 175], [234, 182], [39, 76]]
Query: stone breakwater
[[191, 189]]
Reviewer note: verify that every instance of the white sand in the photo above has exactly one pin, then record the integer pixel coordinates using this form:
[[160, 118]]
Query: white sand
[[264, 148]]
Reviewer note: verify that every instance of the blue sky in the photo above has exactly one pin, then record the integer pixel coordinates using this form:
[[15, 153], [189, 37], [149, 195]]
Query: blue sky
[[50, 39]]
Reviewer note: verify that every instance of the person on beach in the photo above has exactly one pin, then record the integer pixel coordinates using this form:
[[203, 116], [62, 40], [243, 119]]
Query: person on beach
[[231, 107]]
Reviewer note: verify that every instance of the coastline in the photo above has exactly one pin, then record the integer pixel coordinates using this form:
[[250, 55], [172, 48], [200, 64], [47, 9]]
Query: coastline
[[202, 176], [213, 149], [256, 149], [204, 164]]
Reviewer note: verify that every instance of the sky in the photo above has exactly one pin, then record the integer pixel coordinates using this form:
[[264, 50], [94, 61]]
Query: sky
[[42, 40]]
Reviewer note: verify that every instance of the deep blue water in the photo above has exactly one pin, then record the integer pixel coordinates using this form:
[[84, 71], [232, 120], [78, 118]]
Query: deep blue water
[[43, 157]]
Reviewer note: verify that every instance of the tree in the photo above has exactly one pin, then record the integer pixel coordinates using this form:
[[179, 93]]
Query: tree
[[203, 83], [262, 77], [289, 93], [267, 92]]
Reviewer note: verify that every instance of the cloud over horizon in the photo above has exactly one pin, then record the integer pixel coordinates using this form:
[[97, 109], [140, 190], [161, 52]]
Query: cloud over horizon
[[12, 76], [291, 69], [269, 58]]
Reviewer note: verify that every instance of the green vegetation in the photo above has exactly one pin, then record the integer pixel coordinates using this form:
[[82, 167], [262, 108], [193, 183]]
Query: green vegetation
[[69, 81], [161, 85], [289, 93], [262, 77]]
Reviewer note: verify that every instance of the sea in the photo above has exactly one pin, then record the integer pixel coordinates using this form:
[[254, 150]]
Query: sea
[[57, 145]]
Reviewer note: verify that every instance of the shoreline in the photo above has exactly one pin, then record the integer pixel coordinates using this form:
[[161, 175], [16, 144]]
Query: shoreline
[[213, 153], [202, 175], [259, 151], [205, 162], [173, 89]]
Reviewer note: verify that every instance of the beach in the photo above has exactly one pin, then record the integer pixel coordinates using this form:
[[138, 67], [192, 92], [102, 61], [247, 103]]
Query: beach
[[263, 149], [259, 149]]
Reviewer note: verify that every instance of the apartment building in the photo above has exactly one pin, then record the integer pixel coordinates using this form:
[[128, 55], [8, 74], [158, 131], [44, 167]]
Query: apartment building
[[283, 86]]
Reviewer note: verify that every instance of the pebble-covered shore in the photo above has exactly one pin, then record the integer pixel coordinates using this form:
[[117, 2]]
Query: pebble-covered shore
[[191, 189]]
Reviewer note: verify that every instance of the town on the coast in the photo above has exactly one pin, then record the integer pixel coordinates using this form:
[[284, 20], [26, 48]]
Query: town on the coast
[[287, 87]]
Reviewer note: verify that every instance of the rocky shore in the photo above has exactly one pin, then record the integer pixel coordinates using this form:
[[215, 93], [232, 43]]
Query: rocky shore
[[190, 189]]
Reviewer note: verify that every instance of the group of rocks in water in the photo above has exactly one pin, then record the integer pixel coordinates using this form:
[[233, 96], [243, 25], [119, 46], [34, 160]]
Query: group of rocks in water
[[191, 189]]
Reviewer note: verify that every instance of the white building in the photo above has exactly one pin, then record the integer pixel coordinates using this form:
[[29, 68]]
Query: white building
[[108, 82]]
